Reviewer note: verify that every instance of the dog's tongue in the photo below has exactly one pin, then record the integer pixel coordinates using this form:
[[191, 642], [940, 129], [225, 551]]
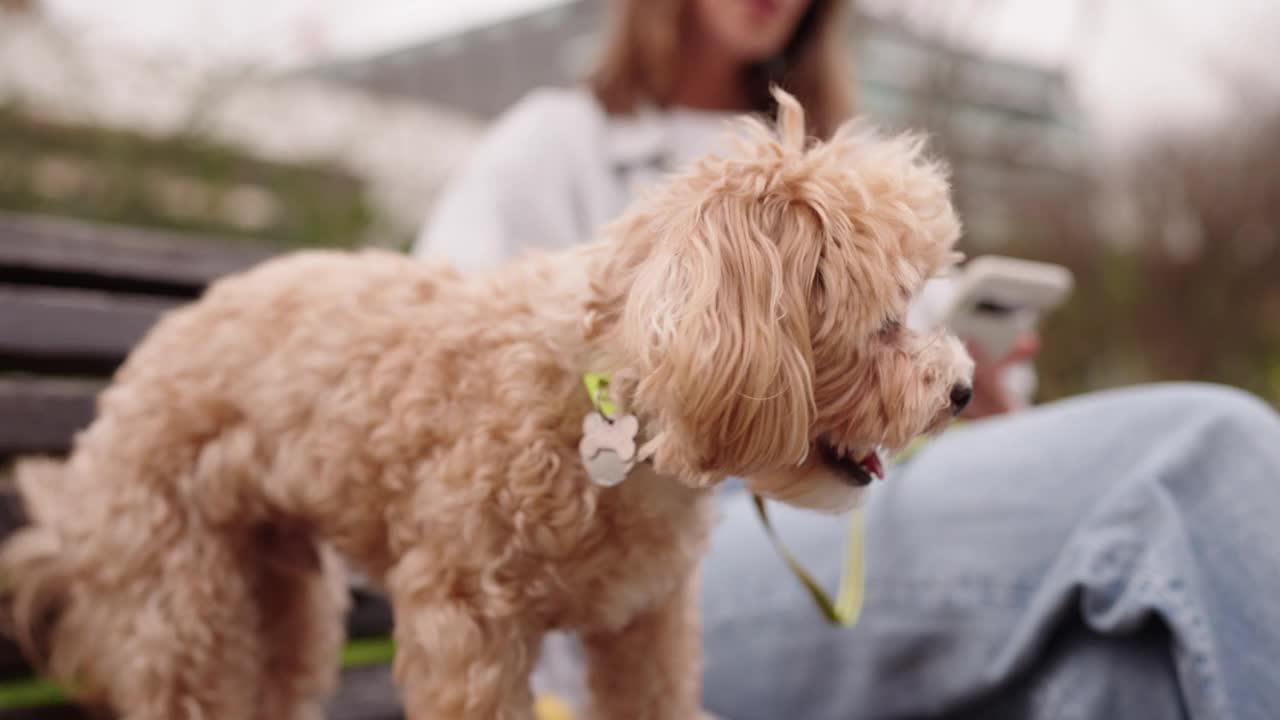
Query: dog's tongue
[[872, 463]]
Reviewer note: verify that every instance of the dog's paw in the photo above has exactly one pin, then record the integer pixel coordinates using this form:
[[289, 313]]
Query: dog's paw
[[550, 707]]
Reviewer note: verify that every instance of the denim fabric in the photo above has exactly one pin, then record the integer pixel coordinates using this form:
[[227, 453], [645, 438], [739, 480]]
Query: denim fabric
[[1111, 556]]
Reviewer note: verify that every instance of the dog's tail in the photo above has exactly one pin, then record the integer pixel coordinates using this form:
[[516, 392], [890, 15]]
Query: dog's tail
[[35, 577]]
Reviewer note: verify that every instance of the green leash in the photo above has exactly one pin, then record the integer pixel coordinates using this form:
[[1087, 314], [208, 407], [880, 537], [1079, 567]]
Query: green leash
[[847, 606]]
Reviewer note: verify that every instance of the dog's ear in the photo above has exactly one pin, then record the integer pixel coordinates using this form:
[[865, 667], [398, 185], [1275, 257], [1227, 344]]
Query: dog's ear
[[709, 317]]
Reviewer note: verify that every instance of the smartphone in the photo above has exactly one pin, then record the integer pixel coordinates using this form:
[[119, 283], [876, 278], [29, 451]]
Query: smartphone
[[999, 299]]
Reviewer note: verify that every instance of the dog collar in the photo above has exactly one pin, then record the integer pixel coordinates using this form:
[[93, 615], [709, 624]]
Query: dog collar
[[608, 445], [598, 389]]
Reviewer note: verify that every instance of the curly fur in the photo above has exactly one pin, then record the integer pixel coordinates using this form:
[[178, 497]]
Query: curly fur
[[424, 426]]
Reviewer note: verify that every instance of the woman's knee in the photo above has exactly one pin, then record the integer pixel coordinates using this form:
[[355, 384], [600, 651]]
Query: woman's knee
[[1169, 405], [1210, 405], [1178, 434]]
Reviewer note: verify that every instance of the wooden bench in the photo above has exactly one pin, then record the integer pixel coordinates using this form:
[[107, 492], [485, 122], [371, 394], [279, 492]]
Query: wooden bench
[[74, 299]]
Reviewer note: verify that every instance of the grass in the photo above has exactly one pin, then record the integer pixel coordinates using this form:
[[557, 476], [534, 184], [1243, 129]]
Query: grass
[[109, 176], [40, 692]]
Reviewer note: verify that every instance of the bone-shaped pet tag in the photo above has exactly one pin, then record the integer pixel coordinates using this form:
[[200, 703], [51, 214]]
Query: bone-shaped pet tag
[[608, 449]]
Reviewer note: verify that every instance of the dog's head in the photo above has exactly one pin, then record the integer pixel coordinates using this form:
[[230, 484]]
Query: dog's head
[[753, 309]]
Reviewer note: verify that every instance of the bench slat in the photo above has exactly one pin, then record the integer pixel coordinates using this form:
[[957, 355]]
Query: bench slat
[[363, 694], [366, 694], [42, 416], [56, 329], [77, 297], [98, 255]]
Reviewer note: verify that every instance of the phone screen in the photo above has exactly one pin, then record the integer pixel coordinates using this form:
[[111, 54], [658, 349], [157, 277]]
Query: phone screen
[[994, 309]]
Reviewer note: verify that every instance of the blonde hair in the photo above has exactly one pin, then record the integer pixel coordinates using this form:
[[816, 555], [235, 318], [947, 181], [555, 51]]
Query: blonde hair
[[640, 56]]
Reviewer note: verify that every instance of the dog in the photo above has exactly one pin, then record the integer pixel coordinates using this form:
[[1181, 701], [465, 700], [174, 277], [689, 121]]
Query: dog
[[425, 427]]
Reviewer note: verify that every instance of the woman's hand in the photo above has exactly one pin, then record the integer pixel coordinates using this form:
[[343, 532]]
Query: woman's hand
[[989, 394]]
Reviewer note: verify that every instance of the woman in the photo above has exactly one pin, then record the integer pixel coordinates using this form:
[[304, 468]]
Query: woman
[[1091, 558]]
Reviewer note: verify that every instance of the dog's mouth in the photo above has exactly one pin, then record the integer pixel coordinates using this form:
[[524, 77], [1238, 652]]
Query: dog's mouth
[[857, 468]]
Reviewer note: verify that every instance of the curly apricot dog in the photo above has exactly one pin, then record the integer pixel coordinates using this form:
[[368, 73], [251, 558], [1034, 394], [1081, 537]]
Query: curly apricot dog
[[425, 427]]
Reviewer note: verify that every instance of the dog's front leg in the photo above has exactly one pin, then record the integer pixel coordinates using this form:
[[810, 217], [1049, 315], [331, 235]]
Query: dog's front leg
[[452, 665], [456, 662], [651, 669]]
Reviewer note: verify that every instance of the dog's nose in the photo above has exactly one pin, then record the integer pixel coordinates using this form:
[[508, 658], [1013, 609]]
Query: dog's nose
[[960, 397]]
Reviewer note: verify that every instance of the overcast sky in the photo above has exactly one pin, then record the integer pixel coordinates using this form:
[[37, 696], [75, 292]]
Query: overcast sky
[[1138, 63]]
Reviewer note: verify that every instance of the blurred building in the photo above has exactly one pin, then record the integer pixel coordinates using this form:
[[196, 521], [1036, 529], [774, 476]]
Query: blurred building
[[1010, 129], [97, 133], [355, 151], [19, 6]]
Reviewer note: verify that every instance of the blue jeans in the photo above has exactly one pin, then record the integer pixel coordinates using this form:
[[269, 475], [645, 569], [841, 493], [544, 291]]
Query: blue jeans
[[1111, 556]]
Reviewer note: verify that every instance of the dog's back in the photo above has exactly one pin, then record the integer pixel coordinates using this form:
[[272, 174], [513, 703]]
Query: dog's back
[[293, 402], [154, 561]]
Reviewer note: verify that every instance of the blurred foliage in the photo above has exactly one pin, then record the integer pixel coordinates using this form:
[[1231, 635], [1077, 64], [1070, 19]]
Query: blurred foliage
[[182, 183], [1189, 288]]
